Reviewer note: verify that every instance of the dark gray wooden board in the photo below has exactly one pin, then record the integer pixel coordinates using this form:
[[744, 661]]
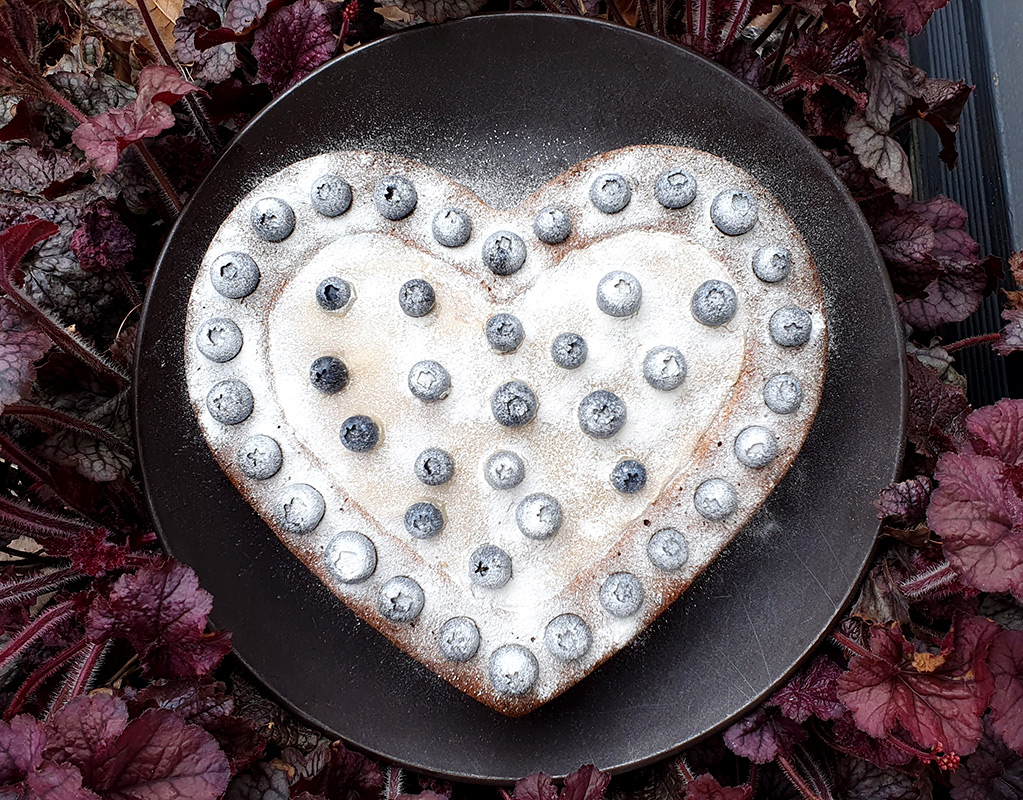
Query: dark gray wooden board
[[502, 104]]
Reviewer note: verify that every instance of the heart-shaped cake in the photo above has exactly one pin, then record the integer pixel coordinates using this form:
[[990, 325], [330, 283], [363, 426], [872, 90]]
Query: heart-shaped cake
[[507, 438]]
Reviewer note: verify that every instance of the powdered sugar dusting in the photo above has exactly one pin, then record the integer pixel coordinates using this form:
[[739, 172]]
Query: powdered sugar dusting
[[682, 437]]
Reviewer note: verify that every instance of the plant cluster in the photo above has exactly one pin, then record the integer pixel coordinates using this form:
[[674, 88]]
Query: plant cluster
[[111, 681]]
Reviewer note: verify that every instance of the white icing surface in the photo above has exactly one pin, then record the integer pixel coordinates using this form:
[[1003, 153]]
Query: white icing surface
[[683, 437]]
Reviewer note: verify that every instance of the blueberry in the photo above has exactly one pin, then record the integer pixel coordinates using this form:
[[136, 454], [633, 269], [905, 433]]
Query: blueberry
[[504, 470], [434, 466], [783, 393], [538, 516], [714, 303], [416, 297], [675, 188], [601, 414], [791, 326], [219, 339], [667, 549], [567, 637], [621, 594], [350, 557], [664, 368], [328, 374], [452, 227], [458, 639], [272, 219], [298, 508], [395, 197], [505, 332], [716, 499], [755, 446], [331, 195], [513, 670], [401, 599], [423, 520], [734, 212], [229, 402], [610, 193], [333, 293], [504, 252], [619, 294], [628, 476], [772, 263], [552, 225], [234, 275], [569, 350], [259, 457], [490, 566], [359, 433], [513, 404], [429, 381]]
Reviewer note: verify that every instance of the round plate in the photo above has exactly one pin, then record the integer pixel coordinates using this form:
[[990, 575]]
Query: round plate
[[502, 104]]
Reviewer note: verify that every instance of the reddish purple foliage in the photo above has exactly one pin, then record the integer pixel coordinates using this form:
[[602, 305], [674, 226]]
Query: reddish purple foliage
[[102, 242], [162, 612], [811, 692], [295, 41], [1006, 663], [763, 735], [706, 787]]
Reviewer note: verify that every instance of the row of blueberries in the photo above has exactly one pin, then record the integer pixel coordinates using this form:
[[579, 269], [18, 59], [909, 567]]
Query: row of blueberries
[[733, 211], [236, 275], [351, 558]]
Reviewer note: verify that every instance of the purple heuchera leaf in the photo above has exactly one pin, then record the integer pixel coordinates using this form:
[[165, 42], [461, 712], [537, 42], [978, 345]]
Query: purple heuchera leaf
[[22, 344], [861, 780], [58, 782], [160, 757], [586, 783], [102, 242], [937, 698], [913, 13], [879, 152], [811, 692], [706, 787], [104, 137], [345, 775], [937, 411], [994, 772], [763, 735], [997, 431], [1012, 333], [1006, 663], [21, 748], [977, 510], [906, 500], [535, 787], [162, 611], [83, 731], [295, 40]]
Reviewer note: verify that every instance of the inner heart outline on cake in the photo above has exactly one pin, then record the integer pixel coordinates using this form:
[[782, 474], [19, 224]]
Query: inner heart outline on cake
[[684, 437]]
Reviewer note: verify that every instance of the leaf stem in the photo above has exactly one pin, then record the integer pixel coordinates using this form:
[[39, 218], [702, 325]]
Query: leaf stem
[[644, 8], [124, 670], [20, 589], [612, 7], [35, 521], [972, 340], [771, 27], [41, 674], [160, 175], [63, 420], [43, 622], [779, 56], [797, 780], [852, 646]]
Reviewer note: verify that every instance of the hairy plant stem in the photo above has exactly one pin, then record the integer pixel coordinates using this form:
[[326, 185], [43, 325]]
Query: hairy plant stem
[[127, 667], [662, 23], [21, 589], [49, 618], [36, 521], [41, 674], [741, 14], [62, 420], [161, 177], [612, 7], [644, 9], [797, 780], [972, 341], [853, 647], [80, 676], [930, 580]]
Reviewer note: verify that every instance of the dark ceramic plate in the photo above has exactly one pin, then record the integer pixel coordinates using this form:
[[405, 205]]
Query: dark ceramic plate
[[502, 104]]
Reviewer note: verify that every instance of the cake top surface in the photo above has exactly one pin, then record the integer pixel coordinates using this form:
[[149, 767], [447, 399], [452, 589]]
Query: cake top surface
[[507, 439]]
